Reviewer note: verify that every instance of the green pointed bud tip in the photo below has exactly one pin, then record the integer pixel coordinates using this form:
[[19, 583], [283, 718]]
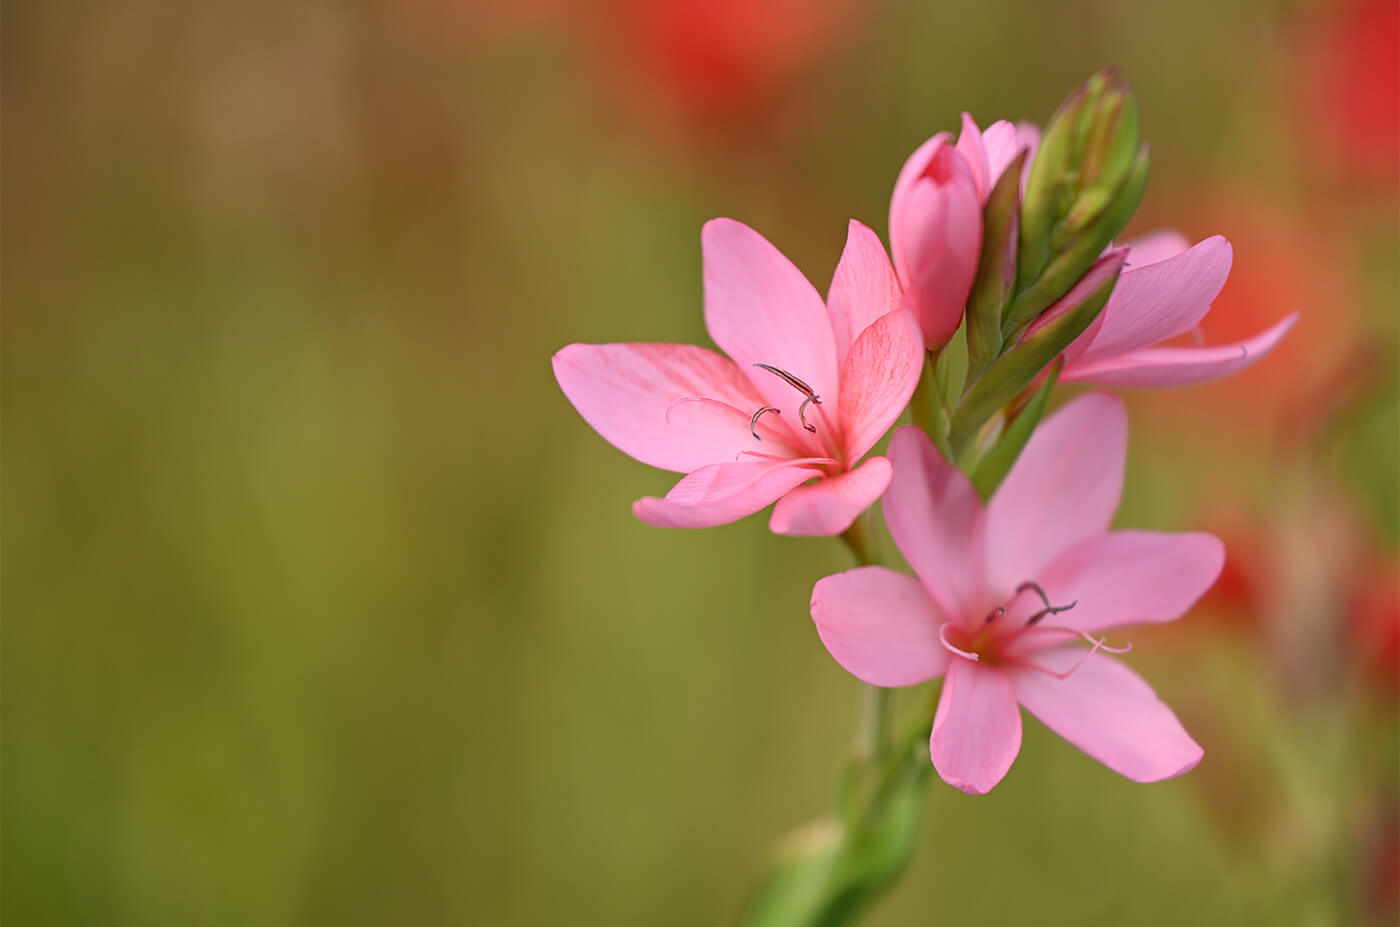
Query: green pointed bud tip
[[1087, 152]]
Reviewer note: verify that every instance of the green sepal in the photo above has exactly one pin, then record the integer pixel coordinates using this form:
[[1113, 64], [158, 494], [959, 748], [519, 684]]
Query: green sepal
[[1019, 365], [1085, 183], [929, 406], [996, 270], [992, 468], [1070, 264]]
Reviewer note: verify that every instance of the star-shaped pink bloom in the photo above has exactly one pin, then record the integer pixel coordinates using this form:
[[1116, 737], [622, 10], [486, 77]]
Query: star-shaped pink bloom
[[810, 388], [1006, 592]]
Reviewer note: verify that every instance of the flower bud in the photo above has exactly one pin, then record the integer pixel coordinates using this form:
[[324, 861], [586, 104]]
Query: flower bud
[[1019, 365], [1085, 183], [936, 236]]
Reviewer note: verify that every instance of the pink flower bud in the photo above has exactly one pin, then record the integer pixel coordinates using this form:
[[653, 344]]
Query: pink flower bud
[[936, 236]]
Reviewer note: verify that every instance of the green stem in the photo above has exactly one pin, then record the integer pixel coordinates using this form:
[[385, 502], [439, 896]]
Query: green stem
[[873, 733]]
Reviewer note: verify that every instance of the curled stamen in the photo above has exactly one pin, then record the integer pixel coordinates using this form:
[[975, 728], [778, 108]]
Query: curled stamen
[[803, 408], [1098, 643], [1048, 609], [753, 422], [802, 387], [676, 402], [995, 613], [943, 638]]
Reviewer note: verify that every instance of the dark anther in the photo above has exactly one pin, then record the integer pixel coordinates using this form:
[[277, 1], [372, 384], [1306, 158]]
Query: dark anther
[[1048, 609], [802, 387], [995, 613], [753, 422]]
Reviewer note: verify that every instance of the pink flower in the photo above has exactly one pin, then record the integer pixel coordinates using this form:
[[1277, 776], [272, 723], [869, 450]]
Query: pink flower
[[1004, 591], [811, 387], [936, 236], [1164, 292]]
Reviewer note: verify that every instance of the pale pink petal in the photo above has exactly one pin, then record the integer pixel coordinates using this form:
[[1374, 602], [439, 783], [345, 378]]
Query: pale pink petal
[[974, 151], [977, 728], [880, 626], [1155, 302], [624, 391], [863, 288], [878, 379], [721, 493], [909, 174], [1109, 712], [1178, 366], [1064, 488], [828, 506], [1003, 142], [1156, 246], [936, 519], [761, 310], [1127, 577], [988, 153], [936, 237]]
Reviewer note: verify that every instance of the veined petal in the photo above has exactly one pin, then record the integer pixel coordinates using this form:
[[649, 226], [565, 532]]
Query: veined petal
[[761, 310], [1109, 712], [937, 521], [1154, 302], [1064, 488], [721, 493], [1129, 577], [881, 626], [863, 289], [1151, 367], [977, 729], [1156, 246], [829, 506], [624, 391], [878, 379]]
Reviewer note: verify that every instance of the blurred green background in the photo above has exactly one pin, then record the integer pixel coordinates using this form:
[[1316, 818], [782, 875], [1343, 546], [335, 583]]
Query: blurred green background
[[321, 605]]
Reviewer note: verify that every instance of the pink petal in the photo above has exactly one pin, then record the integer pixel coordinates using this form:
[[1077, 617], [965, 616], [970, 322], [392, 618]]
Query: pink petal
[[721, 493], [987, 153], [878, 379], [1155, 302], [909, 174], [880, 626], [1178, 366], [863, 289], [624, 391], [828, 506], [761, 310], [1064, 488], [936, 519], [974, 152], [1156, 246], [1003, 142], [1109, 712], [977, 729], [1128, 577], [936, 237]]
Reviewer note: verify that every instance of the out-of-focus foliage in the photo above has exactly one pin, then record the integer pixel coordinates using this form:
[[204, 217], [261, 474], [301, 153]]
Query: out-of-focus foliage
[[322, 606]]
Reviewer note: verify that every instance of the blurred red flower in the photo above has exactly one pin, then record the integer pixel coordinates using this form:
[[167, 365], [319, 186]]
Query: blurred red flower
[[1350, 87]]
